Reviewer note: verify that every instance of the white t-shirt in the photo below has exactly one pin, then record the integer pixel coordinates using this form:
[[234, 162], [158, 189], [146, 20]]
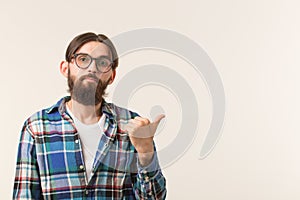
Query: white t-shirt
[[89, 135]]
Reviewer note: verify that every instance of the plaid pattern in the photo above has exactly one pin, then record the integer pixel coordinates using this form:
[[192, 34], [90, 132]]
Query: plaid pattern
[[50, 160]]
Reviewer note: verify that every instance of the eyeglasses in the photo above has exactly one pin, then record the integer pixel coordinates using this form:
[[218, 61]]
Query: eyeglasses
[[83, 61]]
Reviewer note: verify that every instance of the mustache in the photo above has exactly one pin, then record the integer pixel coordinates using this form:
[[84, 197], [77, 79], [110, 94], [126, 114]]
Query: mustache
[[89, 76]]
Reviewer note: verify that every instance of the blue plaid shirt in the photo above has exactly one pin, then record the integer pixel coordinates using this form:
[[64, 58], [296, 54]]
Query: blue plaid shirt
[[50, 162]]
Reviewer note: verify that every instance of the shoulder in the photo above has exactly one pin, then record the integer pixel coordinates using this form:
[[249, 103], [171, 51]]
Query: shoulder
[[46, 115]]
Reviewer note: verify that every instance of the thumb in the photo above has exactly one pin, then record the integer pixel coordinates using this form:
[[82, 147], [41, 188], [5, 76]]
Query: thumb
[[159, 118], [154, 125]]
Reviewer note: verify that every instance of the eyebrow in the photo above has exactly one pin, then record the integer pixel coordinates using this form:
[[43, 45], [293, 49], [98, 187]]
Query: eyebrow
[[102, 56]]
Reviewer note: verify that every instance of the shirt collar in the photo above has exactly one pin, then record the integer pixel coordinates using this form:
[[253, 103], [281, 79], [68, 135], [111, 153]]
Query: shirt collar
[[60, 106]]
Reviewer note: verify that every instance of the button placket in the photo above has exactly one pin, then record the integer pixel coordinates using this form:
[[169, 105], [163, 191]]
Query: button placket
[[82, 181], [146, 179]]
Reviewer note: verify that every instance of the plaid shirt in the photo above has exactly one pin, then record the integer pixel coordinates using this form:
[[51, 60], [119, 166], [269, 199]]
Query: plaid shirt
[[50, 160]]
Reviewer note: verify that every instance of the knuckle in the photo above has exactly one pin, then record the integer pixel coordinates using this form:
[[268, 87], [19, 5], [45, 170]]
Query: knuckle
[[140, 123]]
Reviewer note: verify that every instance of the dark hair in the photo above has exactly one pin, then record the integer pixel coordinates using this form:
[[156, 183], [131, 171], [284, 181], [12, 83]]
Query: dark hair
[[84, 38]]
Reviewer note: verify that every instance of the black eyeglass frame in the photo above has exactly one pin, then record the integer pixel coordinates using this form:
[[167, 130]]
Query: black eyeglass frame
[[92, 59]]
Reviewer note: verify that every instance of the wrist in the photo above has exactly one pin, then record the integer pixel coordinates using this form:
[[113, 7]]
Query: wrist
[[145, 158]]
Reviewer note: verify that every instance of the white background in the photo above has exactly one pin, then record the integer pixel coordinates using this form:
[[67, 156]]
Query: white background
[[254, 44]]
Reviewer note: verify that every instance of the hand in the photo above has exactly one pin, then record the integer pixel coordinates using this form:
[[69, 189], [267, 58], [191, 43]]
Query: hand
[[141, 132]]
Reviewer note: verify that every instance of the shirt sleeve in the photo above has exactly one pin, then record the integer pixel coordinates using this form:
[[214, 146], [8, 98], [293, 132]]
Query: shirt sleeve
[[27, 181], [150, 182]]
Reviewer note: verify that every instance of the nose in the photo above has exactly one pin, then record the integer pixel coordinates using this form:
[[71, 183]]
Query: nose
[[92, 68]]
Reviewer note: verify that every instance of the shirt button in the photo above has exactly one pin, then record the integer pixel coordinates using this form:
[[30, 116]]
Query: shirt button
[[81, 167], [76, 141], [147, 179]]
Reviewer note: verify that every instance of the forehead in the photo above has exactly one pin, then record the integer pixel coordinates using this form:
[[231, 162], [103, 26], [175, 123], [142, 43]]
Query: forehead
[[95, 49]]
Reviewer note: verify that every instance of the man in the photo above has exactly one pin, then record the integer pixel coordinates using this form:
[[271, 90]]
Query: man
[[83, 147]]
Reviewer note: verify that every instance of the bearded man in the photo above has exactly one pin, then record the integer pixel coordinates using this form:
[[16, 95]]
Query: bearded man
[[84, 147]]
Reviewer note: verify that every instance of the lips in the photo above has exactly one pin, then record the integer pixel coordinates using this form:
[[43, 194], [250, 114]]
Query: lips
[[91, 79]]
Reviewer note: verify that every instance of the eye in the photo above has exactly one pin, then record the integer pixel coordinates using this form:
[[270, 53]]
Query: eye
[[83, 59], [103, 62]]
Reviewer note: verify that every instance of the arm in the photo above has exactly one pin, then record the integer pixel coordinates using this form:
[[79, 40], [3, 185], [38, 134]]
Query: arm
[[148, 183], [27, 180]]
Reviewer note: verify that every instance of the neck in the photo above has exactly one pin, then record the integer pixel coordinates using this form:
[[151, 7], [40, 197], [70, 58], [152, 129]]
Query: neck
[[86, 114]]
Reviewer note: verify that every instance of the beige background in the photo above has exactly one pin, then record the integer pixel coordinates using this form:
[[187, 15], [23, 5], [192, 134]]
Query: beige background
[[254, 44]]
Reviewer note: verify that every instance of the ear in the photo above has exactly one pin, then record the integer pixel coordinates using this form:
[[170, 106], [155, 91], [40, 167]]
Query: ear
[[64, 66], [112, 77]]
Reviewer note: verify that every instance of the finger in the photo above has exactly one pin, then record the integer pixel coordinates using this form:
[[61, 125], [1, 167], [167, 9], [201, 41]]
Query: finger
[[154, 125], [138, 123], [142, 132], [159, 118], [145, 121], [125, 124], [130, 126], [136, 127]]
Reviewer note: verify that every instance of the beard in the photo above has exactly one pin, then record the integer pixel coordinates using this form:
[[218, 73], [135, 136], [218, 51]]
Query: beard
[[88, 93]]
